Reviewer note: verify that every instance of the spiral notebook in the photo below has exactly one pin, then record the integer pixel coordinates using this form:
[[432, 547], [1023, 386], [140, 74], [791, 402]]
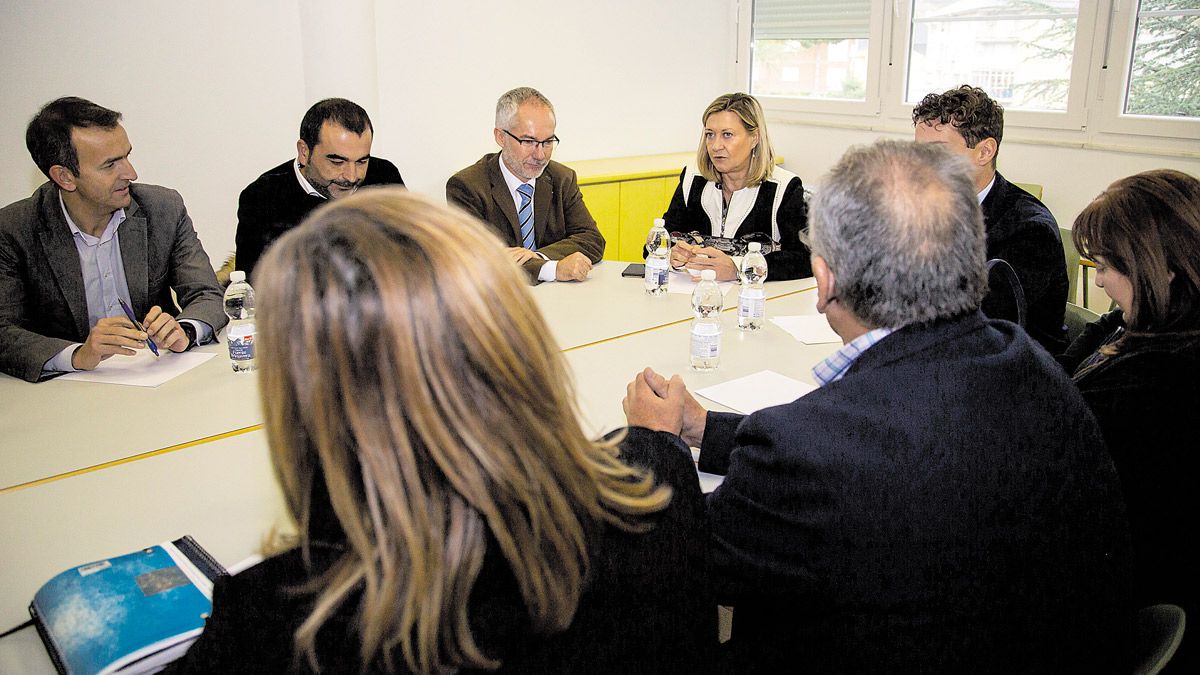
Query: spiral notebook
[[134, 613]]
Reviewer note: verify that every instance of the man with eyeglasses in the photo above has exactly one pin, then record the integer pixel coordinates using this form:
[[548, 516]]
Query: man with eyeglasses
[[333, 159], [533, 204]]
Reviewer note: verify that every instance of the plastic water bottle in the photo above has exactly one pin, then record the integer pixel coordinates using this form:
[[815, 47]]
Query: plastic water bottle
[[706, 326], [658, 253], [239, 306], [752, 299]]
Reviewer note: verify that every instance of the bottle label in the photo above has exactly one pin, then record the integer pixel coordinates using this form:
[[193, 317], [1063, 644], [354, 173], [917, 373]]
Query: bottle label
[[241, 343], [656, 271], [751, 303], [706, 344]]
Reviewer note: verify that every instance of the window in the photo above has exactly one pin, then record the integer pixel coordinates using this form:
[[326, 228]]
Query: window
[[1164, 70], [1096, 67], [1018, 50], [813, 54], [810, 49]]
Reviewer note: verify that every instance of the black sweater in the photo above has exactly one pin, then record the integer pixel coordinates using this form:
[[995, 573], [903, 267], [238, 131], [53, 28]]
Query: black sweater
[[1146, 398], [275, 203]]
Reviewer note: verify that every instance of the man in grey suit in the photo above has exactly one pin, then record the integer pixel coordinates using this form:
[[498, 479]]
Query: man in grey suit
[[531, 202], [86, 241]]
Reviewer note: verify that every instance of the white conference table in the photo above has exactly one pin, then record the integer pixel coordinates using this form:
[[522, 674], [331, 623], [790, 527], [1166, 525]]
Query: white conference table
[[223, 493], [608, 305], [58, 427]]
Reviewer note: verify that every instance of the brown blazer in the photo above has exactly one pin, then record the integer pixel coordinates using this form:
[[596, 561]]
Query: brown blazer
[[562, 224]]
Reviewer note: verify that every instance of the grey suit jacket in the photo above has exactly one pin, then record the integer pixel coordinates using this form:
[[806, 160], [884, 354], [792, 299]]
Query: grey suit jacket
[[561, 222], [43, 305]]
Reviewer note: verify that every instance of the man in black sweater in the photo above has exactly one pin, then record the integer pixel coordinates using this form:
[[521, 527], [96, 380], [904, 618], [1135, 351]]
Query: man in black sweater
[[1020, 229], [333, 159]]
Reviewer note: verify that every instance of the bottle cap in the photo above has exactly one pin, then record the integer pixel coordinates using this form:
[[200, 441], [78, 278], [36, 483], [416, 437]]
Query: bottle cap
[[754, 247], [708, 275], [237, 276]]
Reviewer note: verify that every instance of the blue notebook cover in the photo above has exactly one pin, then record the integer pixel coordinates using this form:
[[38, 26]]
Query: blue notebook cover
[[105, 615]]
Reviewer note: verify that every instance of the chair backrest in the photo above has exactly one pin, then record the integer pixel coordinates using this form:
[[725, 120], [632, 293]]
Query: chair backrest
[[1159, 632], [1076, 318], [1032, 188], [1071, 258], [1005, 295]]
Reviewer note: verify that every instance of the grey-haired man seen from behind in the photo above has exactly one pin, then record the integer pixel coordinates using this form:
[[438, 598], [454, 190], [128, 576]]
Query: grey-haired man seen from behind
[[943, 502], [88, 239]]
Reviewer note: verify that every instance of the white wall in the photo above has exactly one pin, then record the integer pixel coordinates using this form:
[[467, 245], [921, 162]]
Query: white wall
[[209, 91], [627, 77], [1070, 176], [213, 91]]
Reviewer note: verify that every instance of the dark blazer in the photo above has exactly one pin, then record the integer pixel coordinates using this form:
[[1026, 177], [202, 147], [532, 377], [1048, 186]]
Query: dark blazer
[[1021, 230], [561, 222], [792, 260], [43, 304], [275, 203], [947, 506], [647, 608], [1146, 397]]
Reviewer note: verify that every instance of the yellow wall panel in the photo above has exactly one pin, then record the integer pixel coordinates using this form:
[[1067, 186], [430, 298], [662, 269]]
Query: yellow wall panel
[[641, 203], [604, 203]]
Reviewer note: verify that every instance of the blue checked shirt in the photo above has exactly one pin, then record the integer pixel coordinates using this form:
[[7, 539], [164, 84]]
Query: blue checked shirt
[[833, 368]]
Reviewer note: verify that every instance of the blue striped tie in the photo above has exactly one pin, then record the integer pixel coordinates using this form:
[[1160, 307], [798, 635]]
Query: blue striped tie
[[525, 215]]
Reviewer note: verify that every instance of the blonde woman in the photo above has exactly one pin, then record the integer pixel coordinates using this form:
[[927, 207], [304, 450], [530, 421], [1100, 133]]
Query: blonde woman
[[735, 190], [452, 514]]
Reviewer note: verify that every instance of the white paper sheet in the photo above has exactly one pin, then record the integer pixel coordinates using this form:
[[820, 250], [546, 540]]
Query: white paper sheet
[[756, 391], [810, 329], [141, 370], [683, 282]]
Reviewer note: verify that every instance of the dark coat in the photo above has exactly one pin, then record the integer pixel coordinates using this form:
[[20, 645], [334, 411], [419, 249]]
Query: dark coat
[[561, 221], [1146, 398], [1021, 230], [792, 260], [947, 506], [275, 203], [647, 609], [43, 303]]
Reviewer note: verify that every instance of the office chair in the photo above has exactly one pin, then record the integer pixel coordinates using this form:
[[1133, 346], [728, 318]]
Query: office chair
[[1005, 298], [1076, 317], [1071, 258], [1159, 632]]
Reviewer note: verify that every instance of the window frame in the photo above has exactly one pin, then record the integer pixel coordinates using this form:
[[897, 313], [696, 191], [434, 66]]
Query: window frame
[[868, 107], [1113, 73], [1105, 30], [1075, 115]]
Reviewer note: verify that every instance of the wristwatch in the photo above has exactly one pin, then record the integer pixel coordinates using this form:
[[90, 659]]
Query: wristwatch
[[190, 331]]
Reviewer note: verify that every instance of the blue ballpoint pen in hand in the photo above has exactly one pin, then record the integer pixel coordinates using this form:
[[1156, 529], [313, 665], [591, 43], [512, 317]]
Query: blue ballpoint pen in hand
[[138, 325]]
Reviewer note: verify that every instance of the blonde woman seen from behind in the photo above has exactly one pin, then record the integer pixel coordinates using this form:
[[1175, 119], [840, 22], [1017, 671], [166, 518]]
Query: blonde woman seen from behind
[[452, 514]]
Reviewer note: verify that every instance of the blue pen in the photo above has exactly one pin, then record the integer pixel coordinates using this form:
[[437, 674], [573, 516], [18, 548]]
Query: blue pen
[[138, 325]]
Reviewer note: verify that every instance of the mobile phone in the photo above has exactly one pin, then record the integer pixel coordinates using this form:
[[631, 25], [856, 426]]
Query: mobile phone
[[635, 270]]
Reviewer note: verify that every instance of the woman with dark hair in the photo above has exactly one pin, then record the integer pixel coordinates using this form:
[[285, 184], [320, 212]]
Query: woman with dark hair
[[451, 513], [736, 190], [1139, 369]]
